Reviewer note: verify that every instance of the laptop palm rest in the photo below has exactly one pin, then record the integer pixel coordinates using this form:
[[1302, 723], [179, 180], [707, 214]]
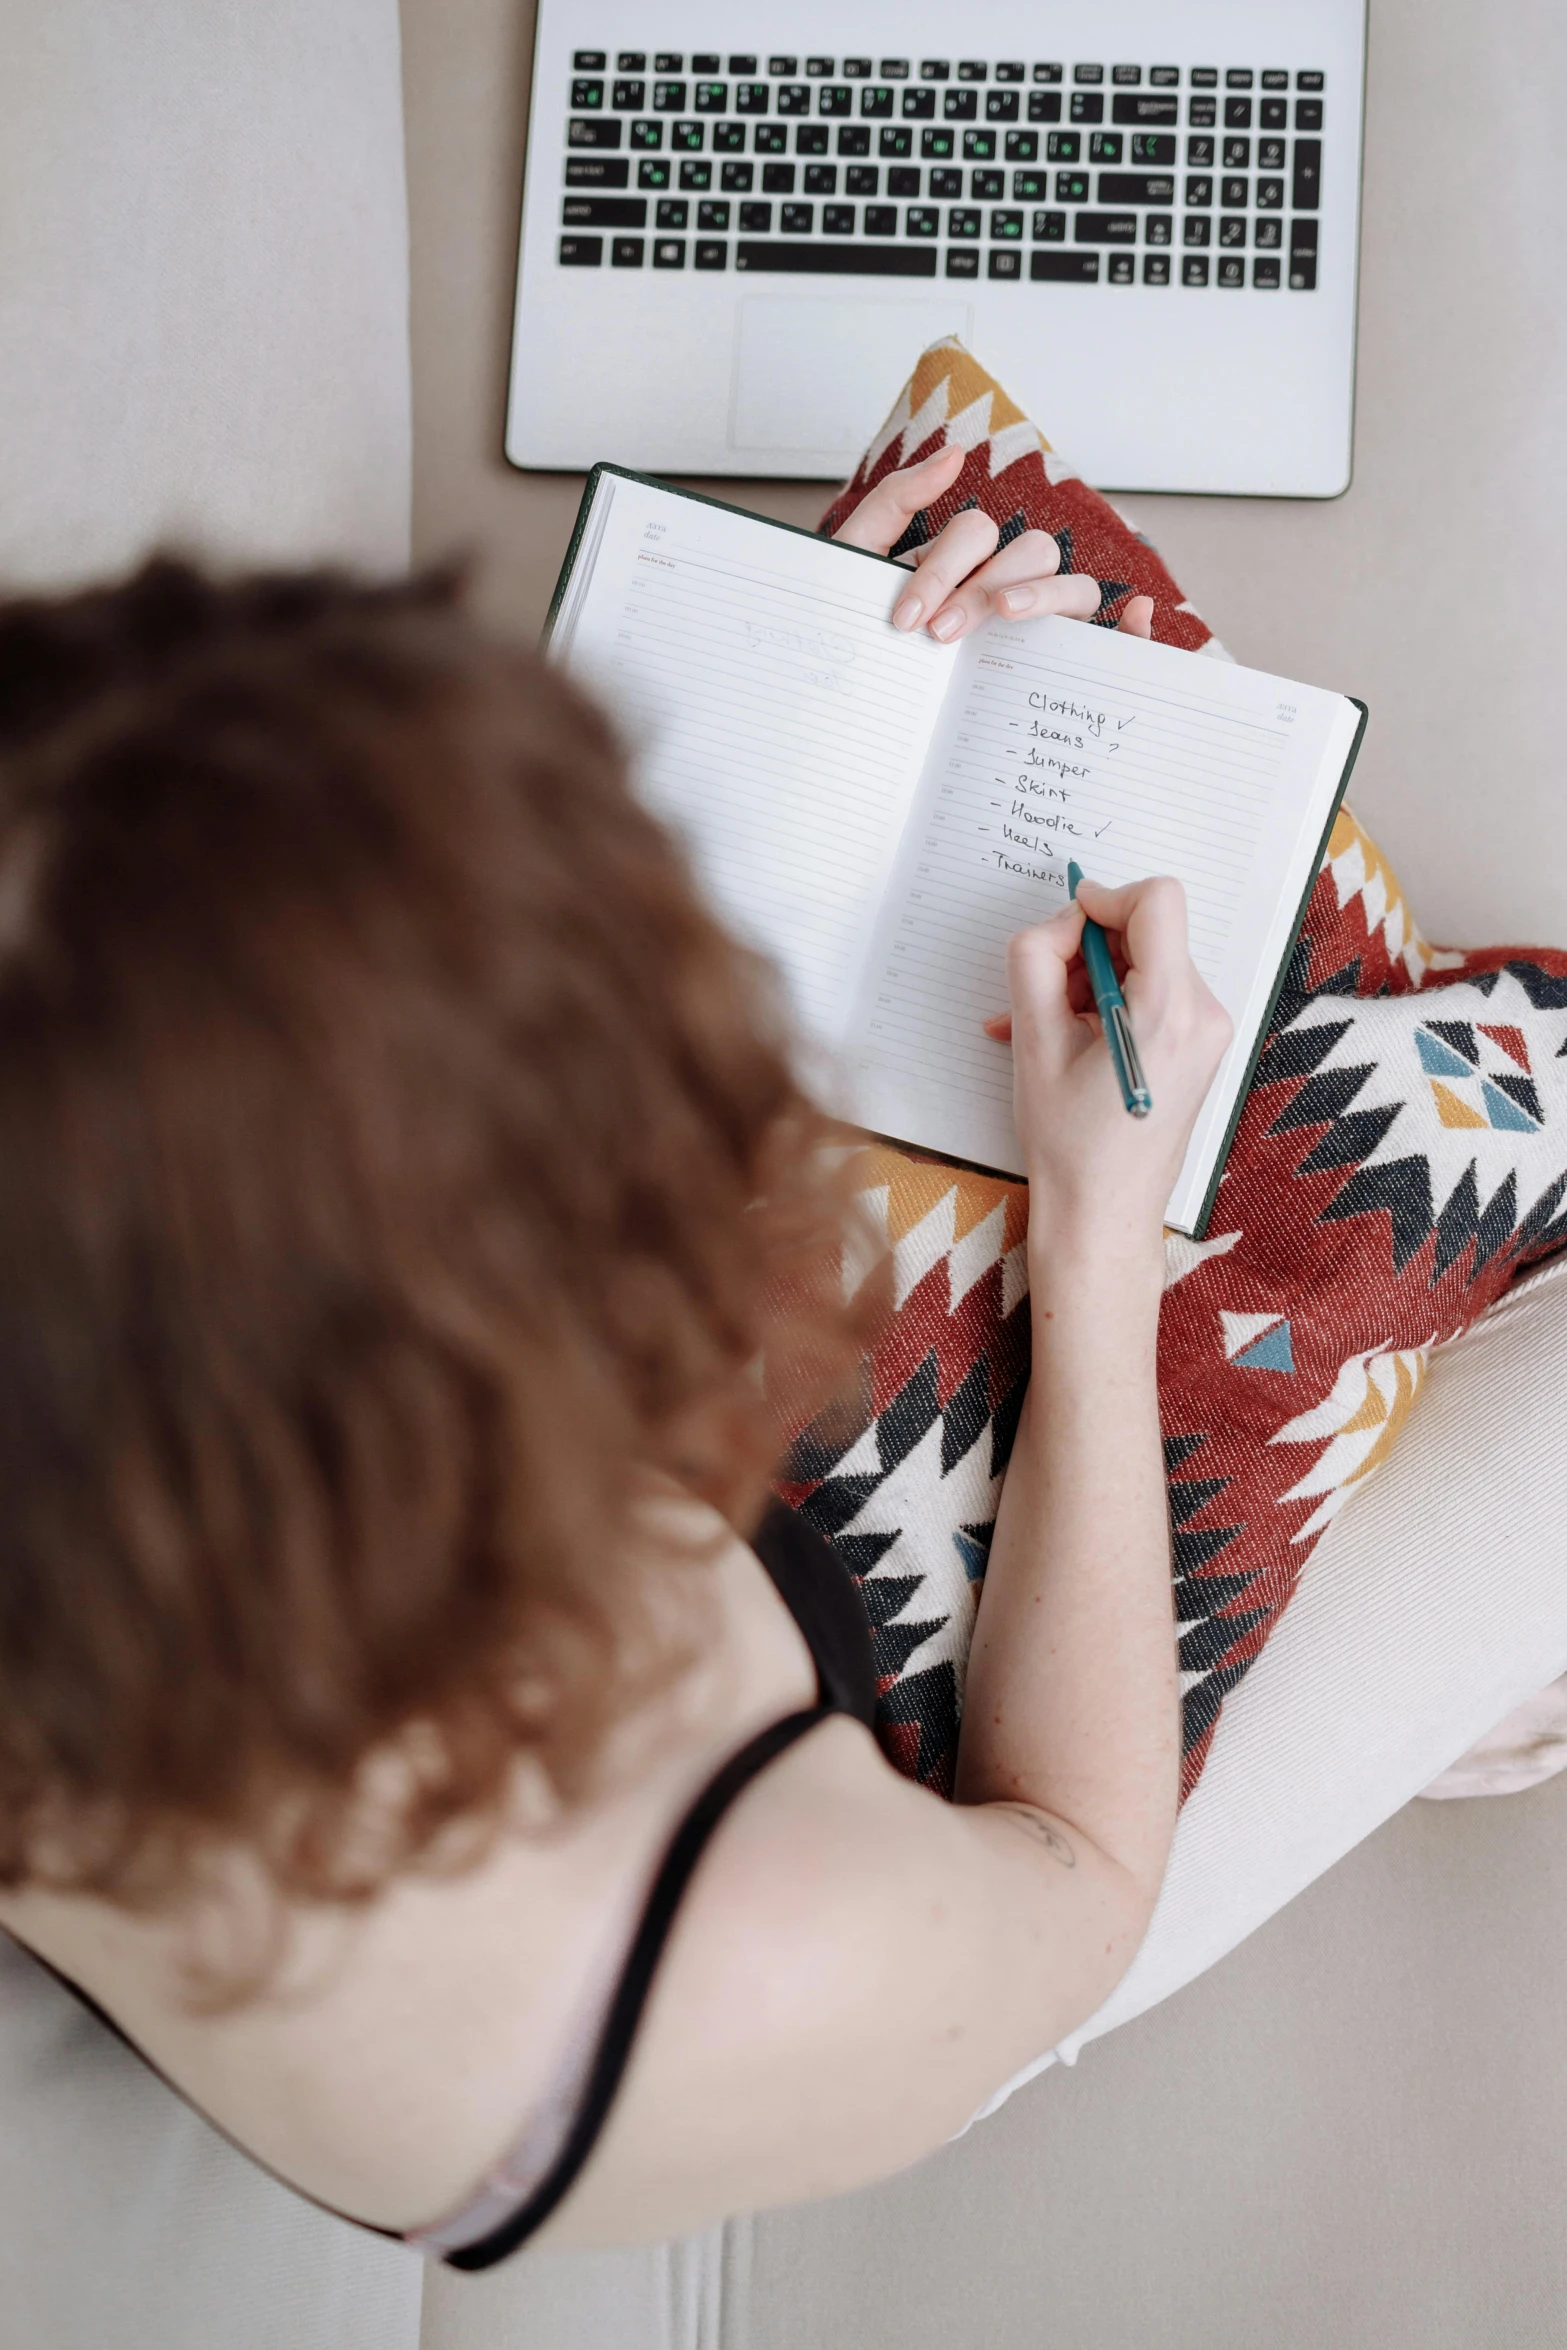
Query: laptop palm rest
[[811, 374]]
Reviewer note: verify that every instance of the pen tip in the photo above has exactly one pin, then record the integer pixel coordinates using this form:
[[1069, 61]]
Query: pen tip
[[1074, 874]]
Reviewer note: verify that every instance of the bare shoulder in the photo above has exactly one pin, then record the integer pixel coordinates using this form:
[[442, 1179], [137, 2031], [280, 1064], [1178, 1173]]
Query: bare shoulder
[[856, 1967]]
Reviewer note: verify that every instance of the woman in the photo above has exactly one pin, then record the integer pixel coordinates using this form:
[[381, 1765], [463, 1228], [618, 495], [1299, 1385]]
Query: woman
[[416, 1735]]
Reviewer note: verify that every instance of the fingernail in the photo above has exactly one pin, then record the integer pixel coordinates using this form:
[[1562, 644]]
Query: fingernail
[[946, 624], [908, 613], [1017, 599]]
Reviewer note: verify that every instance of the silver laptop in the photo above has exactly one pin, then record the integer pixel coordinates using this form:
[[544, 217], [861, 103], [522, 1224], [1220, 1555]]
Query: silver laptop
[[741, 224]]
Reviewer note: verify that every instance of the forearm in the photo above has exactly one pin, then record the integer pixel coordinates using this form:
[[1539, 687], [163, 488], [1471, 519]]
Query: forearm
[[1072, 1695]]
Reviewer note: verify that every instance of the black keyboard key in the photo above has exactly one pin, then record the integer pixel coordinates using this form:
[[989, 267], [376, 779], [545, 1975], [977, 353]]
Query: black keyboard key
[[669, 61], [960, 105], [1126, 76], [688, 138], [797, 220], [653, 171], [795, 98], [1205, 77], [894, 69], [1270, 195], [919, 105], [837, 220], [1194, 270], [696, 175], [1028, 187], [986, 186], [973, 69], [1267, 235], [713, 217], [1158, 228], [1303, 255], [1049, 228], [745, 65], [1088, 73], [1232, 229], [862, 179], [1044, 106], [1104, 228], [876, 102], [935, 69], [1237, 154], [629, 97], [936, 142], [581, 252], [756, 220], [1065, 147], [1156, 269], [597, 171], [1002, 264], [921, 220], [1275, 81], [643, 134], [1306, 190], [1105, 146], [821, 179], [673, 212], [1303, 274], [810, 138], [1047, 73], [1087, 106], [1136, 187], [777, 179], [604, 212], [1200, 152], [1239, 77], [1021, 146], [881, 220], [1145, 107], [705, 61], [1199, 190], [588, 61], [1006, 228], [962, 261], [736, 178], [627, 252], [669, 252], [819, 68], [631, 61], [1165, 77], [963, 223], [895, 139], [1202, 113], [1001, 105], [857, 69], [1121, 268], [711, 98], [1071, 187], [1237, 114], [1265, 273], [729, 138], [1197, 229], [1273, 114], [835, 98], [903, 180], [769, 138], [1308, 81], [751, 98], [589, 131], [1234, 193], [1270, 154], [669, 97], [1152, 147], [1064, 269], [840, 260], [946, 183], [1308, 114], [978, 146]]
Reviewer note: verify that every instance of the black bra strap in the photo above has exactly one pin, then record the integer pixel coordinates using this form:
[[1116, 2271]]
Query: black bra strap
[[614, 2048]]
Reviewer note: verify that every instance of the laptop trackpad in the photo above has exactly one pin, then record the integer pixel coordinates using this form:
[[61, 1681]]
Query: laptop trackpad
[[817, 373]]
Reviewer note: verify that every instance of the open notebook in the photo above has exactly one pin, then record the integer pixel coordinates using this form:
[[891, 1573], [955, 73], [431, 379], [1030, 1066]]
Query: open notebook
[[879, 813]]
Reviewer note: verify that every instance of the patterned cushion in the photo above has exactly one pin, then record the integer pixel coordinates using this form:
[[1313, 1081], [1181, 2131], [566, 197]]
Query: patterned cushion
[[1402, 1154]]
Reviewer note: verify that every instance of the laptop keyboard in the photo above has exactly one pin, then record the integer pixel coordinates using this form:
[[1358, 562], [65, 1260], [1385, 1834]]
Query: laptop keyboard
[[1010, 169]]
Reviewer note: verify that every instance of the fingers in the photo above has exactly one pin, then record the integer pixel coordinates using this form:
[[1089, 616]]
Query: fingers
[[1042, 1022], [1022, 582], [1137, 619], [956, 551], [884, 513]]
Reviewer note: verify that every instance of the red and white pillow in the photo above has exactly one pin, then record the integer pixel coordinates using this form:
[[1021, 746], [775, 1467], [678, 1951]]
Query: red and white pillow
[[1402, 1154]]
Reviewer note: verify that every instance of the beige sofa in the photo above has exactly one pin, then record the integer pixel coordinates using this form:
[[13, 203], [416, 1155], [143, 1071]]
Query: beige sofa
[[204, 335]]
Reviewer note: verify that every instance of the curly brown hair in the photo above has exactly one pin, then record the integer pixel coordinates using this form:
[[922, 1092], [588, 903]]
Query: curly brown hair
[[399, 1163]]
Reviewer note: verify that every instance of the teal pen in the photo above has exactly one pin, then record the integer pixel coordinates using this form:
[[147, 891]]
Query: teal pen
[[1110, 1004]]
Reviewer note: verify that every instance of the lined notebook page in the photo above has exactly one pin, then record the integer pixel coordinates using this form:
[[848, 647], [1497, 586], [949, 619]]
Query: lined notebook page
[[1061, 741], [778, 722]]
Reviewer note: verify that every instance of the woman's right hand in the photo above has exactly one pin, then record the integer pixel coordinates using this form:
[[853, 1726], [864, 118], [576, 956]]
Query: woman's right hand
[[1094, 1172]]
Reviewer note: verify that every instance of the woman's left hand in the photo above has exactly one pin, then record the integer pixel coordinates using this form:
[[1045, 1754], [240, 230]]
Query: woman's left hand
[[960, 580]]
